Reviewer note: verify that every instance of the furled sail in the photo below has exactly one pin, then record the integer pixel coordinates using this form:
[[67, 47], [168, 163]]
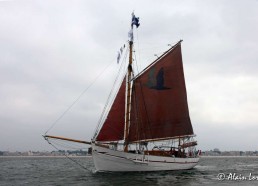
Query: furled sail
[[113, 127], [159, 107]]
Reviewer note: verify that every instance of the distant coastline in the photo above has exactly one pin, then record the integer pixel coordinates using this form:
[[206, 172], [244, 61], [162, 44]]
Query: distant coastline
[[84, 153], [217, 152], [229, 156], [87, 156], [60, 153]]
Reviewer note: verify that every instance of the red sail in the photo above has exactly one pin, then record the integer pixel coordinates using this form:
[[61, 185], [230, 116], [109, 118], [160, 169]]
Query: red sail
[[159, 107], [113, 127]]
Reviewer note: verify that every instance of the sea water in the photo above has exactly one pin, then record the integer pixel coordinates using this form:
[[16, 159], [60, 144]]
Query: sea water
[[62, 171]]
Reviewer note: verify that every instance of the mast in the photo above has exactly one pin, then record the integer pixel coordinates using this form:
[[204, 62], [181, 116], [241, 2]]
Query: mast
[[135, 21], [128, 99]]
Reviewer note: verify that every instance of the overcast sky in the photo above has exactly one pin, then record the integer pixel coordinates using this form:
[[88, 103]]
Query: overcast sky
[[50, 51]]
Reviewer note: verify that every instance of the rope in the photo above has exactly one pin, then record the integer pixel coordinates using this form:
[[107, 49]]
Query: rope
[[77, 99], [67, 145], [104, 112], [138, 52], [80, 165], [144, 103]]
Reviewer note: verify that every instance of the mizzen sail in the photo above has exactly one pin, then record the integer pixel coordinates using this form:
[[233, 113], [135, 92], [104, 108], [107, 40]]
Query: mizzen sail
[[159, 107]]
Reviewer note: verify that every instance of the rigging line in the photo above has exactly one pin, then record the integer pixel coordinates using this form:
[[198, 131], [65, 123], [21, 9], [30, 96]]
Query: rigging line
[[80, 165], [134, 96], [137, 106], [103, 114], [108, 103], [77, 99], [108, 100], [138, 52], [144, 103], [66, 144], [114, 129]]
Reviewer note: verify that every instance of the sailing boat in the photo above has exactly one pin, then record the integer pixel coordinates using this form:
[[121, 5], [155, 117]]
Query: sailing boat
[[148, 127]]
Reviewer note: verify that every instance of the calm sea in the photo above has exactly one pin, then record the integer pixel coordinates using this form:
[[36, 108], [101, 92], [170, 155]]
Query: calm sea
[[61, 171]]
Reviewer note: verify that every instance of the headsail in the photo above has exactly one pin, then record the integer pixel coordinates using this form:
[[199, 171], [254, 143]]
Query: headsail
[[159, 107], [113, 127]]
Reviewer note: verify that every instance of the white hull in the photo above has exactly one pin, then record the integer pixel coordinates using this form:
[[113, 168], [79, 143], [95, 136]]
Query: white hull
[[118, 161]]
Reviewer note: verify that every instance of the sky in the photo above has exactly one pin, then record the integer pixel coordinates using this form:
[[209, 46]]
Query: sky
[[52, 51]]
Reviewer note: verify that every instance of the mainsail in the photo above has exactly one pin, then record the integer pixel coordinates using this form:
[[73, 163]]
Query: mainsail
[[113, 127], [159, 107]]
